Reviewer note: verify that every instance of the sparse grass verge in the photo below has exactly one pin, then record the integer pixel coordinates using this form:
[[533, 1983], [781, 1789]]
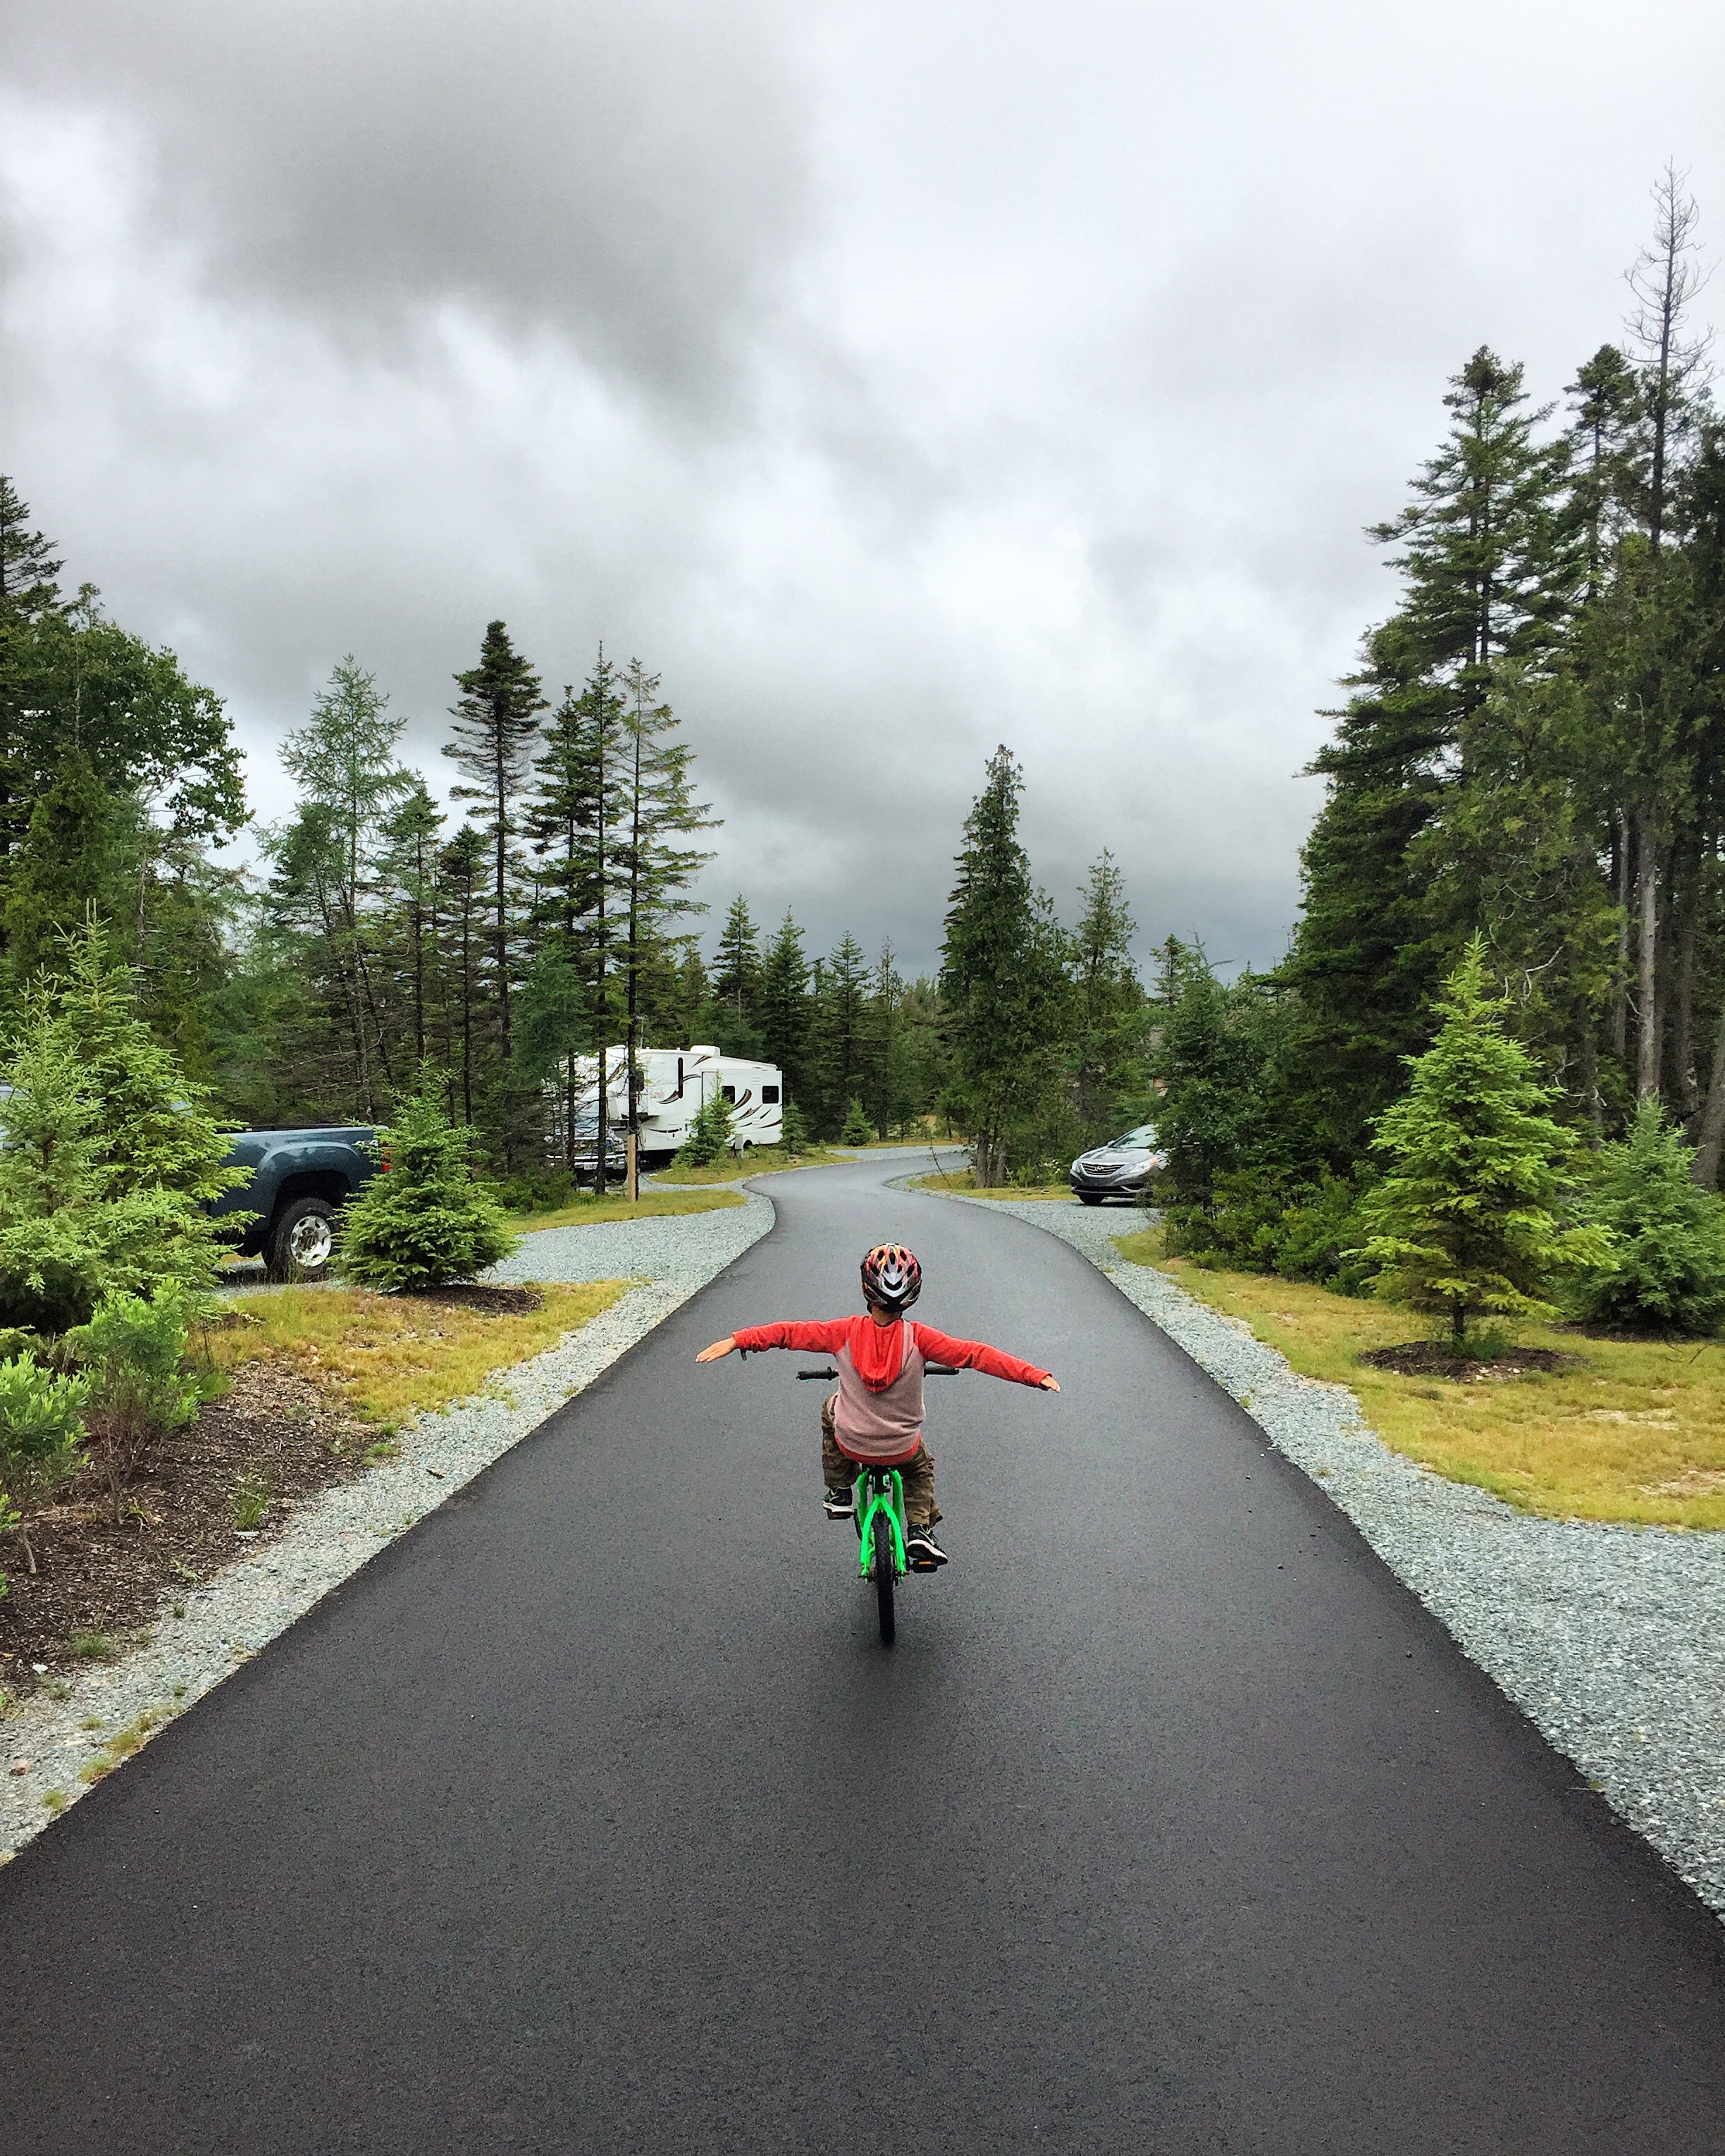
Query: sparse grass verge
[[120, 1745], [394, 1357], [653, 1205], [1636, 1433], [758, 1160], [964, 1179]]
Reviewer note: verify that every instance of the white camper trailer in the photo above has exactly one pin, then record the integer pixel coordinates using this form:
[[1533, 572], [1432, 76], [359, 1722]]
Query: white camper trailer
[[673, 1085]]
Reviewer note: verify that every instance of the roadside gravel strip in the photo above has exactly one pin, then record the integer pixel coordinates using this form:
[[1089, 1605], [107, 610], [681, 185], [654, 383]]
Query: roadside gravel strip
[[330, 1535], [1611, 1640]]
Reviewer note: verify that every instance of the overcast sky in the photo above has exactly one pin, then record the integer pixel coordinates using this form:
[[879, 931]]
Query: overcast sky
[[894, 379]]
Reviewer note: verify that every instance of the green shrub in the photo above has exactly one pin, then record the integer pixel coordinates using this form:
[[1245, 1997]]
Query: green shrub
[[423, 1221], [134, 1348], [858, 1130], [794, 1135], [535, 1190], [106, 1160], [41, 1430], [708, 1138], [1666, 1270], [1469, 1219]]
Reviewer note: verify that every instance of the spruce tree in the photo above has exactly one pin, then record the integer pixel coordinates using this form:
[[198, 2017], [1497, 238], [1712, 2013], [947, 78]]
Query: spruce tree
[[1109, 1007], [1469, 1219], [424, 1223], [1490, 568], [496, 721], [1001, 974], [736, 974], [1666, 1272], [783, 1012], [654, 868], [65, 867]]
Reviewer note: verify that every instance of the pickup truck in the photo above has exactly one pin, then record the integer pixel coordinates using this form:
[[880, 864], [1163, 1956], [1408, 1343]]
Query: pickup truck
[[298, 1180]]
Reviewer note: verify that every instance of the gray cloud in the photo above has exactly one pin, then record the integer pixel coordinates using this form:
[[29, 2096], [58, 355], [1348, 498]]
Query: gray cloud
[[896, 381]]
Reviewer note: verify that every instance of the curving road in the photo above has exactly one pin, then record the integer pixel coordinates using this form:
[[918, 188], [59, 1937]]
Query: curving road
[[592, 1816]]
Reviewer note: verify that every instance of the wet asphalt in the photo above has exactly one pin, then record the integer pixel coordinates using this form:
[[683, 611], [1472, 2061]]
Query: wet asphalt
[[592, 1815]]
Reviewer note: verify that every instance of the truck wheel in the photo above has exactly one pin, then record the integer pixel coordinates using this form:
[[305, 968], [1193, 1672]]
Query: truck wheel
[[302, 1241]]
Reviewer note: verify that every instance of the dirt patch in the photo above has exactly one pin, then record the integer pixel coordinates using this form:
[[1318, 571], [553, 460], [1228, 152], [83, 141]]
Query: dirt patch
[[486, 1301], [1430, 1359], [274, 1435]]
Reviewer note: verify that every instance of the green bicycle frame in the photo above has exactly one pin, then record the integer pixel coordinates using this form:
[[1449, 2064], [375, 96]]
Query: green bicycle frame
[[886, 1501]]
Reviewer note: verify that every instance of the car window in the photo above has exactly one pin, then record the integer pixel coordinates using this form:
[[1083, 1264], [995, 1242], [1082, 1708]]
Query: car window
[[1145, 1135]]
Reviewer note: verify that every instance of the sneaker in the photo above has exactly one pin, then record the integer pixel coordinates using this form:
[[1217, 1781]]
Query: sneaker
[[840, 1504], [924, 1552]]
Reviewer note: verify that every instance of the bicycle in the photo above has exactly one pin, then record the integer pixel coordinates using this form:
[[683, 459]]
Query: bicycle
[[883, 1555]]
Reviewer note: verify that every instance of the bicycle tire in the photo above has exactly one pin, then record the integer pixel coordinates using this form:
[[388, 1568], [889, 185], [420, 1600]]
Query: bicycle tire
[[885, 1575]]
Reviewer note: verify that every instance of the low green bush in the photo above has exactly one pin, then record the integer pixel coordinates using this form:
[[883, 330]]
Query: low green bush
[[134, 1351], [1270, 1220], [423, 1221], [794, 1136], [1665, 1271], [708, 1138], [41, 1436]]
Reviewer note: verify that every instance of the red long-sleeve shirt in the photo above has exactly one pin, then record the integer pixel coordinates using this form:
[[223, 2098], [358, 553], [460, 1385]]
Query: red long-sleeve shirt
[[879, 1412]]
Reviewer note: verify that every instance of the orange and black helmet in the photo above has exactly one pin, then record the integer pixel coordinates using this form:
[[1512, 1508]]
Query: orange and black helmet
[[891, 1276]]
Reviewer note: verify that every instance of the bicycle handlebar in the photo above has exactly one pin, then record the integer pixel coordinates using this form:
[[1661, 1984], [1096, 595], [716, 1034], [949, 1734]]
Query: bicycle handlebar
[[929, 1370]]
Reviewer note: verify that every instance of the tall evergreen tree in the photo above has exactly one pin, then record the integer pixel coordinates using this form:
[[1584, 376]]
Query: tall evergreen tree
[[783, 1011], [737, 978], [1110, 1000], [1001, 974], [496, 721], [654, 868], [1491, 567]]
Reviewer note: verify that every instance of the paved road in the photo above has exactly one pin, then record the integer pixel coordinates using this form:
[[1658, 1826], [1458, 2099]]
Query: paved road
[[592, 1816]]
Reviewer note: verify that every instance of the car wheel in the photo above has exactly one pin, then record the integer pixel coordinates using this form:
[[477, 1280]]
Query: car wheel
[[302, 1241]]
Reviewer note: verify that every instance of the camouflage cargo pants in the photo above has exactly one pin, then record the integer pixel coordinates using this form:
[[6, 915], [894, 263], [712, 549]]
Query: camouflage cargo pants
[[921, 1510]]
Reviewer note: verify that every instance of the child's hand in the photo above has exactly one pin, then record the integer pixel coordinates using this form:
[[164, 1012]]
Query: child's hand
[[1049, 1386], [718, 1348]]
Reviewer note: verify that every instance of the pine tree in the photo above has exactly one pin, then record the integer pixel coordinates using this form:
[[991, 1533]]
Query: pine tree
[[1110, 1000], [412, 836], [1469, 1219], [783, 1014], [462, 871], [737, 978], [841, 1030], [28, 575], [1001, 974], [1666, 1272], [66, 865], [344, 760], [425, 1223], [654, 870], [1491, 567], [496, 721]]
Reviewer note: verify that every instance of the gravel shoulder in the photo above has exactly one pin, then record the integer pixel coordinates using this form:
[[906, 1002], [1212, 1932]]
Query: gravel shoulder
[[1610, 1639], [196, 1642]]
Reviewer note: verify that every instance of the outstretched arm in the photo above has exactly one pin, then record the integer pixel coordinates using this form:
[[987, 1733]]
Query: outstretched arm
[[813, 1336], [978, 1355]]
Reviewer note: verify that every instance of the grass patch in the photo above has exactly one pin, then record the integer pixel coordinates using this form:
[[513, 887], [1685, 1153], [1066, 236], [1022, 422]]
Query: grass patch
[[652, 1205], [251, 1499], [735, 1167], [95, 1646], [1634, 1432], [964, 1179], [119, 1746], [395, 1357]]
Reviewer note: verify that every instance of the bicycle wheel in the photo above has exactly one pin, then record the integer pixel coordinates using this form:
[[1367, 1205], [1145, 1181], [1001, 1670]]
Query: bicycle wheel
[[885, 1574]]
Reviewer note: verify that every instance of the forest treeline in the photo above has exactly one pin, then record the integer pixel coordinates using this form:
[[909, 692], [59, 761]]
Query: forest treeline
[[1532, 750], [548, 907]]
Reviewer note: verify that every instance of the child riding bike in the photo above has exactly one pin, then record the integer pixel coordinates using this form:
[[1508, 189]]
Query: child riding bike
[[876, 1417]]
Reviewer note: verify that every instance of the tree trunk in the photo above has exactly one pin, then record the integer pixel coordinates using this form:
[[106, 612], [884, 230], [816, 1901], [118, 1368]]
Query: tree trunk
[[1647, 955], [1683, 908], [1705, 1167], [1619, 987]]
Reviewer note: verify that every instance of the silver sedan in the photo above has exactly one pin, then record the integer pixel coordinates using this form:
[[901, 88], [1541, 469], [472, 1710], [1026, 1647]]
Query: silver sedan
[[1119, 1169]]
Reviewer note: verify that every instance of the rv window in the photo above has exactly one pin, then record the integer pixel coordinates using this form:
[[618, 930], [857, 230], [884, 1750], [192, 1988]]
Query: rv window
[[769, 1097], [729, 1091]]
